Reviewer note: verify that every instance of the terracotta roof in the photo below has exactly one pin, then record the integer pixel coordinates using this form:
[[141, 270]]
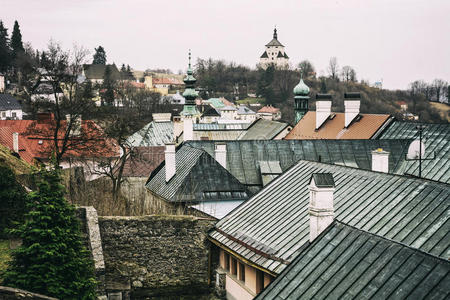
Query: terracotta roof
[[365, 128], [36, 140], [139, 85], [166, 80], [269, 109], [144, 160], [226, 102]]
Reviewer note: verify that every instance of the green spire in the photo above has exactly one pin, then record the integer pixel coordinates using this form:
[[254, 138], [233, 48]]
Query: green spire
[[190, 94], [301, 92]]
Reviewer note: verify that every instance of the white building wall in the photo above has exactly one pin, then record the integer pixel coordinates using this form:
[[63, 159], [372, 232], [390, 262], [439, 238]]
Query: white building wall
[[9, 114]]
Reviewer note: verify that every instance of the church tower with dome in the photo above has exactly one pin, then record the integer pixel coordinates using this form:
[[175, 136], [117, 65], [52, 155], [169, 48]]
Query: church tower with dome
[[274, 54], [301, 97]]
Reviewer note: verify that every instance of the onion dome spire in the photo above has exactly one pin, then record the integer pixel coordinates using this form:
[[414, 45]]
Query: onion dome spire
[[301, 89], [190, 94], [301, 97], [275, 35]]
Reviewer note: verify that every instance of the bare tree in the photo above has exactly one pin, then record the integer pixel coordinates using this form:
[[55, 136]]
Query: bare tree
[[61, 70], [348, 74], [333, 68], [306, 69], [439, 86]]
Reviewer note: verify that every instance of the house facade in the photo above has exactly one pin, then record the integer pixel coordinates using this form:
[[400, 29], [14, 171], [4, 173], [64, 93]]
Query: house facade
[[10, 108]]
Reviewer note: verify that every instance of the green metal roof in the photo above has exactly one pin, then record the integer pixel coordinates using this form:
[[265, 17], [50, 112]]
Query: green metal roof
[[275, 221], [216, 103], [263, 129], [199, 177], [347, 263], [243, 156], [436, 138], [152, 134], [301, 89]]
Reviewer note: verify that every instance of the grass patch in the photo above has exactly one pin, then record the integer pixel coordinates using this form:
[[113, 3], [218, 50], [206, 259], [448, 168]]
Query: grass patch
[[5, 257], [262, 101]]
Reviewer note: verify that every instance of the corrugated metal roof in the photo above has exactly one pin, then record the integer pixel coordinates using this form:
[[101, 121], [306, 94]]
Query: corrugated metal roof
[[410, 211], [152, 134], [243, 156], [198, 177], [347, 263], [436, 138], [263, 129]]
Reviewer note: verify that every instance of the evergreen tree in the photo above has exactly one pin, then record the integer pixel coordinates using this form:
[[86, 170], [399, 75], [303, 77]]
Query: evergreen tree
[[99, 56], [16, 41], [323, 86], [12, 200], [52, 259], [108, 86], [5, 53]]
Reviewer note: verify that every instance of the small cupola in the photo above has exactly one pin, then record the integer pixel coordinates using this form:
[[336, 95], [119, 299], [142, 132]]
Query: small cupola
[[301, 97]]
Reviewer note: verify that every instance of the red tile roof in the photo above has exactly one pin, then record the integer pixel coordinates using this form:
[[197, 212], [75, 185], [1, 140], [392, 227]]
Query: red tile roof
[[36, 139], [143, 161], [365, 128], [167, 80], [269, 109]]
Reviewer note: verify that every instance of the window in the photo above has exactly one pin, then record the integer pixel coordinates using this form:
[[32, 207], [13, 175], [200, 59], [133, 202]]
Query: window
[[242, 272], [3, 114], [259, 281], [233, 266], [227, 261], [14, 114]]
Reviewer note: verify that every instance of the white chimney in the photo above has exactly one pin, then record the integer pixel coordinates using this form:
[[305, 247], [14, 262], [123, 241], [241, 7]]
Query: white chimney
[[170, 161], [76, 124], [16, 142], [221, 154], [380, 161], [323, 111], [351, 107], [321, 211], [188, 129]]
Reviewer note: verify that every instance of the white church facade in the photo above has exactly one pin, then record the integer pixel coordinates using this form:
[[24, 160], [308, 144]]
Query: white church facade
[[274, 54]]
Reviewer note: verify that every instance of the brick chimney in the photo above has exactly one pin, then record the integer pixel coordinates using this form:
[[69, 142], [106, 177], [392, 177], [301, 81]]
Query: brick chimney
[[16, 142], [380, 161], [170, 164], [323, 108], [352, 103], [321, 210], [221, 154], [188, 129]]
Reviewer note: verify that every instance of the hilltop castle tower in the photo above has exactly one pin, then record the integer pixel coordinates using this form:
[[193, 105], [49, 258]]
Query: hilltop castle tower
[[301, 97], [274, 54]]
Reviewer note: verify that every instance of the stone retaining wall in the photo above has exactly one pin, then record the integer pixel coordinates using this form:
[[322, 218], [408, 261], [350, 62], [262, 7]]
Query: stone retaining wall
[[155, 256]]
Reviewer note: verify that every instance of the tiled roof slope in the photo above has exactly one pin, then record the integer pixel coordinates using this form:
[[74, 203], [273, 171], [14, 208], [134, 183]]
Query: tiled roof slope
[[8, 102], [263, 129], [243, 157], [334, 128], [93, 71], [152, 134], [143, 161], [436, 138], [275, 221], [348, 263], [199, 177]]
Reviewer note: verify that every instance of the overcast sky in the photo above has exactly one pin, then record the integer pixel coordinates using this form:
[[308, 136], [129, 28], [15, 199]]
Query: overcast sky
[[397, 41]]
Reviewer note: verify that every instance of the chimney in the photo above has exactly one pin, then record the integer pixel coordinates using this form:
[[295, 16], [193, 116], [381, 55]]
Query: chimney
[[188, 130], [351, 107], [380, 161], [170, 161], [321, 211], [323, 108], [221, 154], [16, 142]]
